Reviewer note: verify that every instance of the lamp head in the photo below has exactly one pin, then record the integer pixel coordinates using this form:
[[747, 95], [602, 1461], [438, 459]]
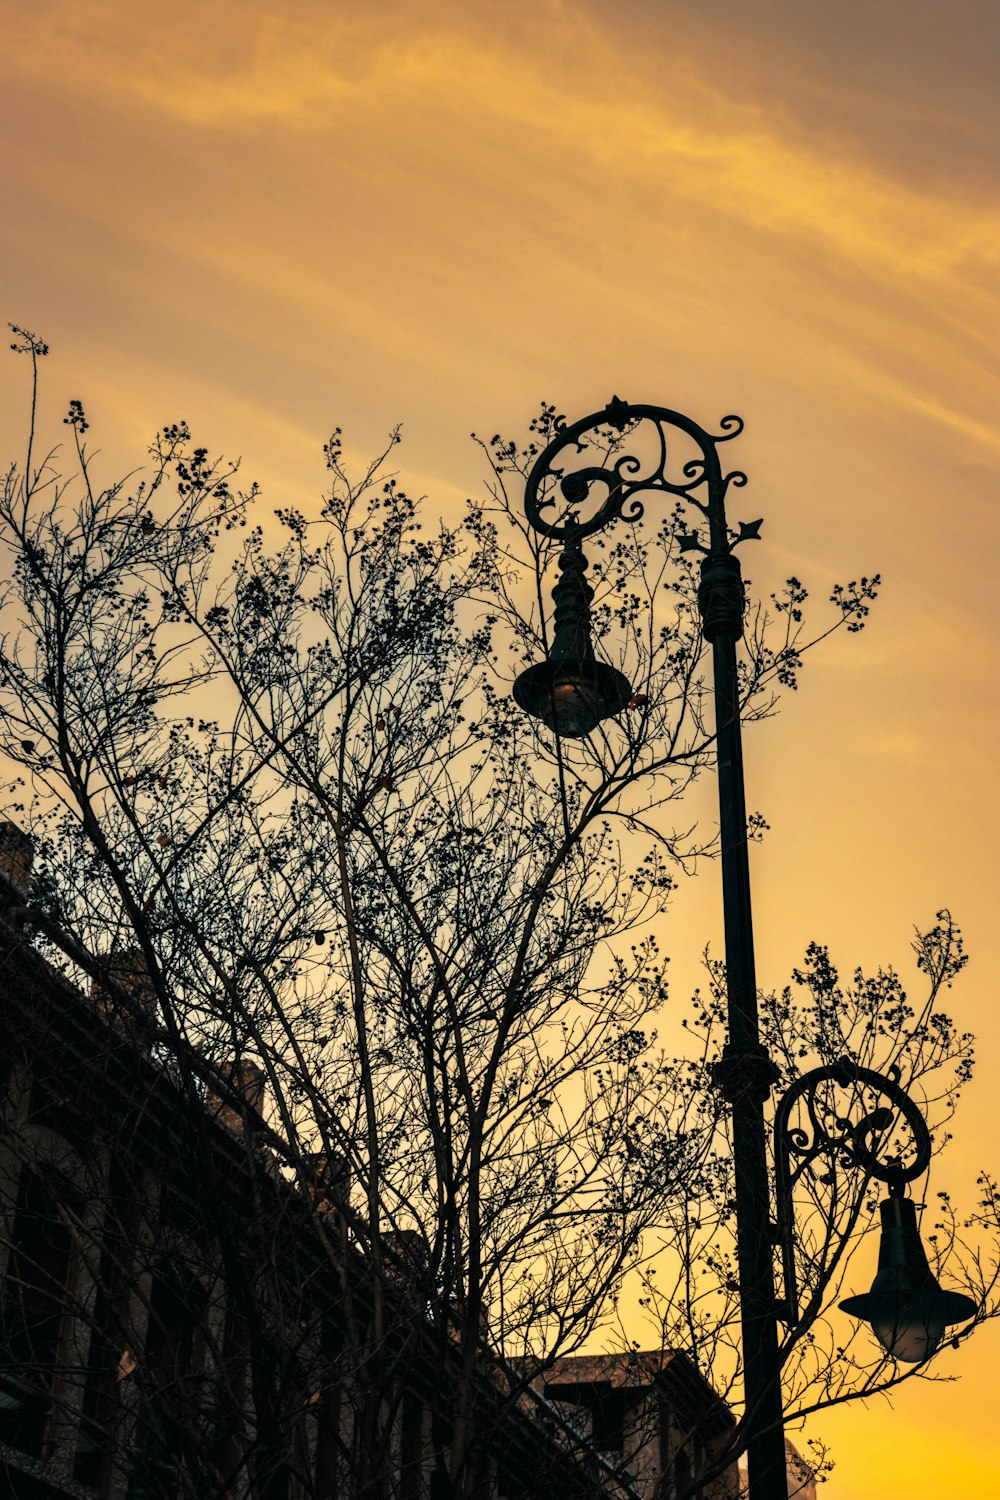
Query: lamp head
[[571, 695], [907, 1308], [572, 691]]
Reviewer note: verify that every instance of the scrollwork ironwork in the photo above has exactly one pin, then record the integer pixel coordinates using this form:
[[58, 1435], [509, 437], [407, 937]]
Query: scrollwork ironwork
[[616, 486], [841, 1140]]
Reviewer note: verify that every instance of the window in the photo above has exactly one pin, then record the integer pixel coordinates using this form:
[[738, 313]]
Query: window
[[411, 1447], [32, 1314], [608, 1420], [176, 1415]]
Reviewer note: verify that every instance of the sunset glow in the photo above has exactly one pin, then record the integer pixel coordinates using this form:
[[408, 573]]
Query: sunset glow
[[275, 219]]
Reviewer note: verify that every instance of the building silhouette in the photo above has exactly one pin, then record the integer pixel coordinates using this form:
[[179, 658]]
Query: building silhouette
[[181, 1314]]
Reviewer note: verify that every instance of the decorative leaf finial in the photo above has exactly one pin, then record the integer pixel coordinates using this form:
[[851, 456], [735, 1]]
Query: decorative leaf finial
[[617, 413], [750, 531]]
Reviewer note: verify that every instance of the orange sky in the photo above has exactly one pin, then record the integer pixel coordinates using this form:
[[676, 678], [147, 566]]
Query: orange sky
[[271, 219]]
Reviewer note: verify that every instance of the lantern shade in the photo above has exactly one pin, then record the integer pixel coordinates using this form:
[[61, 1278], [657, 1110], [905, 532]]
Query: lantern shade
[[906, 1307], [572, 695]]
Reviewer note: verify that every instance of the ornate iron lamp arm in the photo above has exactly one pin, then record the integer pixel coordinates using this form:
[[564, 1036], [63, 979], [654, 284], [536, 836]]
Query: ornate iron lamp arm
[[852, 1143], [625, 478]]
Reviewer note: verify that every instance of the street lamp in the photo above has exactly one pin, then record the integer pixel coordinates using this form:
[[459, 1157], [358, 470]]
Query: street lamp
[[907, 1308], [648, 450]]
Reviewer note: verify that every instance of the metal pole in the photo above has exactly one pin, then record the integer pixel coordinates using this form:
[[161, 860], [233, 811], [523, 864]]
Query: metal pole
[[745, 1073]]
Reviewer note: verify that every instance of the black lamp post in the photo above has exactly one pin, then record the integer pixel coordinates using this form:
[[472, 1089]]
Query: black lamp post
[[571, 693]]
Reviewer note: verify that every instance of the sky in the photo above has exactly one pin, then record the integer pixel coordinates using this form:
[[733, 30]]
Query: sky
[[275, 219]]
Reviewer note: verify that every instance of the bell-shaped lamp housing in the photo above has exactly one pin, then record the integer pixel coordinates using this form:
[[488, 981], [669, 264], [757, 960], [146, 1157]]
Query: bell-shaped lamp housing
[[571, 695], [907, 1308], [572, 691]]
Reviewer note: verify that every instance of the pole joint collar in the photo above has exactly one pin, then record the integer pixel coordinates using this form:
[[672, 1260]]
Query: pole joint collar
[[721, 597], [744, 1074]]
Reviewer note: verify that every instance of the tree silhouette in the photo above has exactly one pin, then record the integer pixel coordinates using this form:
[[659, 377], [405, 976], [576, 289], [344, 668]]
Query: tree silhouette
[[280, 796]]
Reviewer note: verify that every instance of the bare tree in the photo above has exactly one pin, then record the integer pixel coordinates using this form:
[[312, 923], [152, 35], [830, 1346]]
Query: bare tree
[[277, 759]]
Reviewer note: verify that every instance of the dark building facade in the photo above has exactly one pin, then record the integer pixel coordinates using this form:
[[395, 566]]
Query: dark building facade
[[184, 1315]]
